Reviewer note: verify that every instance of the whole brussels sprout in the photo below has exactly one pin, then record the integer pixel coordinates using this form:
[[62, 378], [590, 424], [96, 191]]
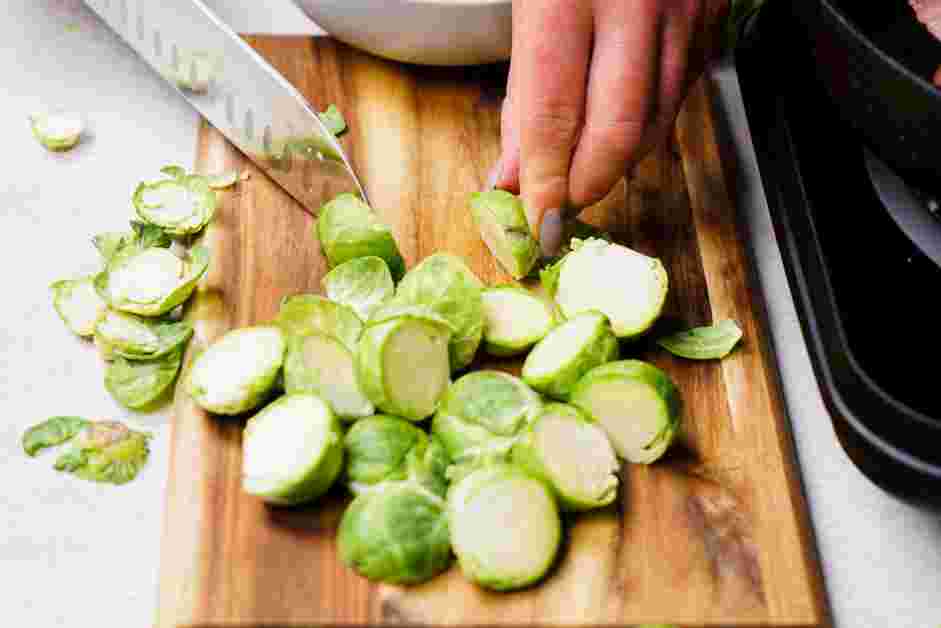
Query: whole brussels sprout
[[383, 449], [397, 533]]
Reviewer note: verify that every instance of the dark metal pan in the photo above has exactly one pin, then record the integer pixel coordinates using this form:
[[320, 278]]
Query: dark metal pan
[[877, 61]]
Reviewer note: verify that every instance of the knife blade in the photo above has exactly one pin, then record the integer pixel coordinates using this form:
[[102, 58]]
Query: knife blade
[[238, 92]]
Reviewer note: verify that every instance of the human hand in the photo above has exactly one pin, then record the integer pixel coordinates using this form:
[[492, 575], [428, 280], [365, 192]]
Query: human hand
[[594, 85]]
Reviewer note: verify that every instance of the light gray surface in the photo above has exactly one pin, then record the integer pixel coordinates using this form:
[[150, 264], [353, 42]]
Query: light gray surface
[[78, 554]]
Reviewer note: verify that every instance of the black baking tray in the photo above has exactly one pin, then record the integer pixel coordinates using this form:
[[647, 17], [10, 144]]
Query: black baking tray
[[864, 293]]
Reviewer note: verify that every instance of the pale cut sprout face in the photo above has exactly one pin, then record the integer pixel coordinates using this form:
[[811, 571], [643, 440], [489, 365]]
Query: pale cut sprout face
[[230, 367], [579, 457], [561, 346], [279, 449], [115, 325], [339, 385], [513, 316], [147, 278], [171, 202], [625, 285], [81, 306], [416, 366], [632, 414]]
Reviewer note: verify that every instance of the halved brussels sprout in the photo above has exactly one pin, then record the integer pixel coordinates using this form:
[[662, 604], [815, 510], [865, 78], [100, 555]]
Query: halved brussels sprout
[[321, 365], [569, 351], [444, 285], [383, 449], [402, 365], [78, 304], [51, 432], [363, 284], [238, 371], [333, 120], [397, 533], [106, 451], [348, 228], [150, 282], [514, 320], [305, 314], [703, 343], [572, 454], [57, 131], [138, 383], [180, 206], [482, 414], [505, 527], [637, 405], [292, 451], [582, 281], [501, 219], [137, 338]]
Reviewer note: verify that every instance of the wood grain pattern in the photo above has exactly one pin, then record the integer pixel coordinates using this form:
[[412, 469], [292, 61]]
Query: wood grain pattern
[[715, 534]]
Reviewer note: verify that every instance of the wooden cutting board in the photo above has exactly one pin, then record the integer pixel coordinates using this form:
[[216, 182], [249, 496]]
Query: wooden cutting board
[[715, 534]]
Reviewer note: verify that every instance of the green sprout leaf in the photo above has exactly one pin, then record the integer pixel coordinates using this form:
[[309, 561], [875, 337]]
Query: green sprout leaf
[[78, 304], [51, 432], [57, 131], [704, 343], [138, 383], [106, 451], [137, 338], [174, 172], [304, 314], [333, 120], [348, 228], [363, 284]]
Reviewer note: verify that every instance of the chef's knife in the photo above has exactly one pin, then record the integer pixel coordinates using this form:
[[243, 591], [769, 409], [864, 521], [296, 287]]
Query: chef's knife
[[238, 92]]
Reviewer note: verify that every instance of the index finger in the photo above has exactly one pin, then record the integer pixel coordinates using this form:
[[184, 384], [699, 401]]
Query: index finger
[[554, 47]]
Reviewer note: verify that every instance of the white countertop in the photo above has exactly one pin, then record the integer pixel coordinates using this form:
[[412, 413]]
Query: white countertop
[[77, 554]]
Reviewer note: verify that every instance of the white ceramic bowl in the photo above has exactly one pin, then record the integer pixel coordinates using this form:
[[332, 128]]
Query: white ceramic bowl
[[429, 32]]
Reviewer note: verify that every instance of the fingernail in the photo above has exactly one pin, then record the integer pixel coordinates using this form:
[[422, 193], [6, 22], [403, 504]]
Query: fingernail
[[495, 173], [550, 232]]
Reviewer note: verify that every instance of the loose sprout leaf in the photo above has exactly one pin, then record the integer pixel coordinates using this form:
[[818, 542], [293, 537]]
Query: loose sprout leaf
[[292, 451], [173, 171], [57, 131], [51, 432], [138, 383], [137, 338], [146, 235], [304, 314], [78, 304], [222, 180], [446, 286], [501, 219], [238, 371], [348, 228], [151, 282], [142, 235], [704, 343], [398, 534], [106, 451], [180, 206], [363, 284], [109, 243], [333, 120]]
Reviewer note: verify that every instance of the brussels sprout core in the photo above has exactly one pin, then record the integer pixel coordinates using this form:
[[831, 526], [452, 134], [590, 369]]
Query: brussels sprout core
[[292, 450], [505, 527], [637, 405], [237, 372], [514, 320], [569, 351], [628, 287], [321, 365], [572, 454]]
